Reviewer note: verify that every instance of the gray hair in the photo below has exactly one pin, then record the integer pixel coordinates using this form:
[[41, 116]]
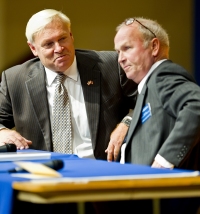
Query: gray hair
[[39, 20], [153, 26]]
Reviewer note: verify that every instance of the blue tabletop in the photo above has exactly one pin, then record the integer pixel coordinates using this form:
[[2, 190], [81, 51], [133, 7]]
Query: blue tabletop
[[75, 167]]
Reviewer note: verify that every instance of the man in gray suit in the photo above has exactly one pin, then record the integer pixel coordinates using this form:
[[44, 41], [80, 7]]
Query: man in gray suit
[[165, 127], [165, 130], [100, 94]]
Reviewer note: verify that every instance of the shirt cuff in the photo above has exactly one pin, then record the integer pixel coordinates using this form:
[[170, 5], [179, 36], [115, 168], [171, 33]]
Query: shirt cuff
[[122, 160], [163, 162]]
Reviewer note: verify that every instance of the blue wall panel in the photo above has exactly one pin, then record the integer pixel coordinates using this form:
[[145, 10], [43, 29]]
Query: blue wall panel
[[197, 40]]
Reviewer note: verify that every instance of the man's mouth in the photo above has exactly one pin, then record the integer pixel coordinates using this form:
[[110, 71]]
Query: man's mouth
[[60, 58], [126, 67]]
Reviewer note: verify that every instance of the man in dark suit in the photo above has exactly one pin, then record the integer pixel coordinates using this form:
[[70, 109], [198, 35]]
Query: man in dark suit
[[100, 94], [165, 127]]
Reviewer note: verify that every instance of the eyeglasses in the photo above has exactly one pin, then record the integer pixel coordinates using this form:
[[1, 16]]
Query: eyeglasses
[[131, 20]]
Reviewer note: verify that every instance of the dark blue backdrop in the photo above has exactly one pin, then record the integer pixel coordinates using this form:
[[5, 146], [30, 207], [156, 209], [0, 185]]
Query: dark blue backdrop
[[197, 40]]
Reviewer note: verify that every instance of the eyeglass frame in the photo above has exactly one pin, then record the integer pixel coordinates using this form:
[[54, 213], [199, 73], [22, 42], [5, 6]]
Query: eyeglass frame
[[129, 21]]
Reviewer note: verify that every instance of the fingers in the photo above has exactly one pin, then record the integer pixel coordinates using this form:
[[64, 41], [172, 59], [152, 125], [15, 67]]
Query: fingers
[[116, 140], [156, 165], [116, 152], [22, 143], [110, 151], [13, 137]]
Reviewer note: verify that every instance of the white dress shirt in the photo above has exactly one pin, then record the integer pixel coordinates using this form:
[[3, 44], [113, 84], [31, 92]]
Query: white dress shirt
[[82, 145], [158, 157]]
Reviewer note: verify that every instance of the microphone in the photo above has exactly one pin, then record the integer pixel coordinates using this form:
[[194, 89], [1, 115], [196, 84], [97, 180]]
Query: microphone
[[53, 164], [8, 148]]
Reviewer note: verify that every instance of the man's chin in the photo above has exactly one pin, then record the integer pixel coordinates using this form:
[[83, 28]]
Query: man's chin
[[62, 67], [128, 75]]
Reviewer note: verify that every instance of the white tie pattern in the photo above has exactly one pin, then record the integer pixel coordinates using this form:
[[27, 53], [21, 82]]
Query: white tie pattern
[[61, 121]]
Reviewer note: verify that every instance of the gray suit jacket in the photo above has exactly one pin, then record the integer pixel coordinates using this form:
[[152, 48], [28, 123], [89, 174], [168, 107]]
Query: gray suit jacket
[[24, 105], [173, 128]]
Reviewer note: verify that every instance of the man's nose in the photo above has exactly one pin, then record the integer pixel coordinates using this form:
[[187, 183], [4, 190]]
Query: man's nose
[[58, 48], [120, 57]]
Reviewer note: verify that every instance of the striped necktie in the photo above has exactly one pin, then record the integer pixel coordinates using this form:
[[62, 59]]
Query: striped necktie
[[61, 119]]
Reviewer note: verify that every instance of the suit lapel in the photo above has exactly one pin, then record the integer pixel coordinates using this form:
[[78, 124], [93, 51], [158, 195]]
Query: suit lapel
[[90, 81], [36, 88], [136, 115]]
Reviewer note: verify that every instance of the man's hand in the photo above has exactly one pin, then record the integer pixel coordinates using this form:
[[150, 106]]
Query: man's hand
[[116, 140], [11, 136], [156, 165]]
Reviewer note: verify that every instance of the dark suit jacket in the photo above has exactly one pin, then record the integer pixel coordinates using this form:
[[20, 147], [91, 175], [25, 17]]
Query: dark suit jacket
[[173, 130], [24, 105]]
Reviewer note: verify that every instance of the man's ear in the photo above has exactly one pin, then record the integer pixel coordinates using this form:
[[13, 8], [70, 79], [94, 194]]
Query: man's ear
[[72, 36], [155, 44], [33, 49]]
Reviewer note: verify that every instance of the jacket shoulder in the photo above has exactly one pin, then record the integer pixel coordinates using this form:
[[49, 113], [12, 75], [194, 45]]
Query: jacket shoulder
[[96, 55]]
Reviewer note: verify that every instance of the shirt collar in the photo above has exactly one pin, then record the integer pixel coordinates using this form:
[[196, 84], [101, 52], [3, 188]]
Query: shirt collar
[[71, 72], [153, 67]]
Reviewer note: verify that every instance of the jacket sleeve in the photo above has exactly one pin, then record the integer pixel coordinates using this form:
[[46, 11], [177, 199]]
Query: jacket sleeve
[[6, 114], [180, 97]]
